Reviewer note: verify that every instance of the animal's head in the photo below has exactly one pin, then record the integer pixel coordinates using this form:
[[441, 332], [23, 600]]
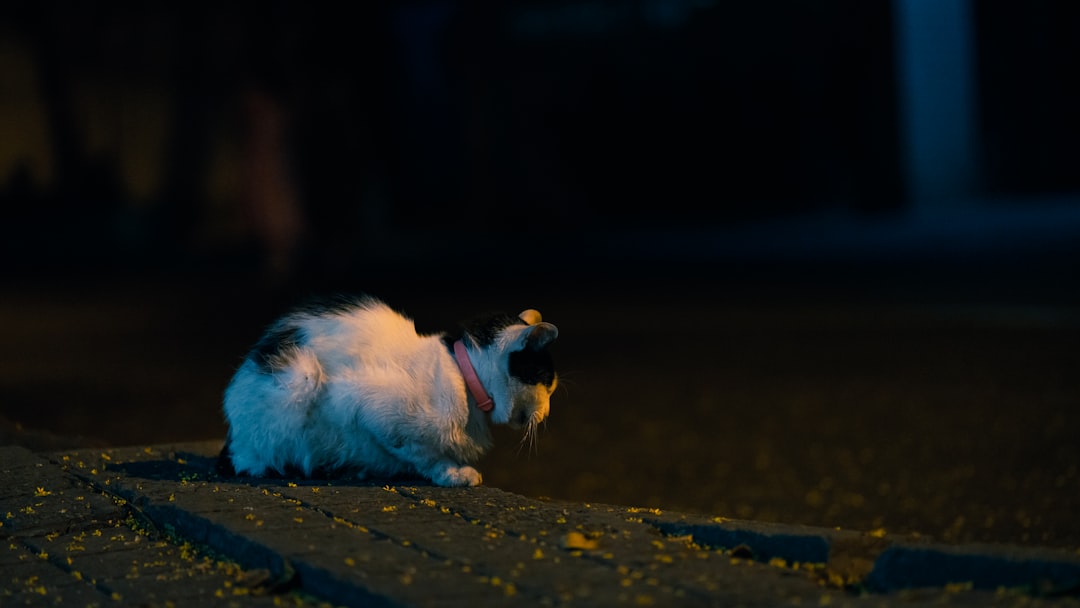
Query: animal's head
[[511, 358]]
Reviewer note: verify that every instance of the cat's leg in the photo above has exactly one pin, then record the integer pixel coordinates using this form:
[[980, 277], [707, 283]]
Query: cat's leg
[[434, 465], [450, 474]]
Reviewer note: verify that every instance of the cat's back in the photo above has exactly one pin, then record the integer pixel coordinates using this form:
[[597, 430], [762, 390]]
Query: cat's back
[[355, 329]]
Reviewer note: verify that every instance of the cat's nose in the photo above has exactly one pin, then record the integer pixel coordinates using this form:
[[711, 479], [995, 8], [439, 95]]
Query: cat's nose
[[522, 417]]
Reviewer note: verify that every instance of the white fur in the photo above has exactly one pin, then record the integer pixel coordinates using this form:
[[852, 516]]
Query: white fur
[[365, 391]]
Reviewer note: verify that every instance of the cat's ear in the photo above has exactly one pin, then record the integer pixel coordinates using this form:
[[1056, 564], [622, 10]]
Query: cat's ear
[[532, 317], [540, 335]]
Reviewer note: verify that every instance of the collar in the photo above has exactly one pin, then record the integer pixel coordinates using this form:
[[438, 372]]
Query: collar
[[472, 381]]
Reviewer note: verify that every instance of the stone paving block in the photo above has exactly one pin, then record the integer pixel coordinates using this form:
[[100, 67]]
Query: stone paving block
[[120, 564], [309, 539], [74, 544], [407, 544], [474, 546], [39, 583], [487, 553], [883, 563], [634, 555], [904, 566], [790, 543], [39, 498]]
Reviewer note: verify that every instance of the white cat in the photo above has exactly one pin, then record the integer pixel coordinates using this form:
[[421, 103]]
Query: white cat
[[349, 385]]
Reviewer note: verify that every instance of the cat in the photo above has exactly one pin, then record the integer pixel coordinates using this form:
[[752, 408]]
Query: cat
[[348, 385]]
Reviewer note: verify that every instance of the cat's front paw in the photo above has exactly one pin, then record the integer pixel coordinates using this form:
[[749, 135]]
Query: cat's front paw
[[457, 476]]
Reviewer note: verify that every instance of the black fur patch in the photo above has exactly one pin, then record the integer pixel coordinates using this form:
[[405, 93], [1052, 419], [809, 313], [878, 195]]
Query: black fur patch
[[448, 341], [532, 367], [484, 329], [224, 465], [274, 347]]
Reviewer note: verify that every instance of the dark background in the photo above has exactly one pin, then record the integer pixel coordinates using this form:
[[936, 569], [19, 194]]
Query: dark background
[[766, 309]]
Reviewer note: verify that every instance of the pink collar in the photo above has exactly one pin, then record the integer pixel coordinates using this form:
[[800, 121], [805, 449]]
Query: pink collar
[[472, 381]]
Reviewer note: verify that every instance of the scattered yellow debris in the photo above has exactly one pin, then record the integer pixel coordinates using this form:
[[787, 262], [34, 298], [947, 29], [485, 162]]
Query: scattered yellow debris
[[577, 540]]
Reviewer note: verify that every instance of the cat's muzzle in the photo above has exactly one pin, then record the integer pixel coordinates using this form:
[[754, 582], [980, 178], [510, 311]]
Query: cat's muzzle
[[520, 419], [525, 418]]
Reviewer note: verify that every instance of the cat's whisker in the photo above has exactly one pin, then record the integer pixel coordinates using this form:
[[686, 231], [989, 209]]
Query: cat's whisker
[[535, 434], [528, 438], [523, 445], [566, 380], [524, 439]]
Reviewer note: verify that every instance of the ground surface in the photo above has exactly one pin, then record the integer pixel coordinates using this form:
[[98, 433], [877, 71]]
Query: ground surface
[[939, 408], [156, 526]]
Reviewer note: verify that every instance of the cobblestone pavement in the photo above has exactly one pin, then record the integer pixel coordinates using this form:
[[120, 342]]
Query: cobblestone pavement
[[155, 526]]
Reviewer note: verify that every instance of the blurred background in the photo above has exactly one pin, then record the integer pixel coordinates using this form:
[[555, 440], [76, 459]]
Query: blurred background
[[811, 262]]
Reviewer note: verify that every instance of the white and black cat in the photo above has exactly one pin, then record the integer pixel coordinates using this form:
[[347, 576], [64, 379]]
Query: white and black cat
[[349, 385]]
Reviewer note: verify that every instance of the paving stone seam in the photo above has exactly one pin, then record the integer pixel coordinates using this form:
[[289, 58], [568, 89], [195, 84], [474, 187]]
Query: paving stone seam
[[310, 571], [526, 589], [423, 549], [676, 586], [548, 598], [182, 527], [39, 552]]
